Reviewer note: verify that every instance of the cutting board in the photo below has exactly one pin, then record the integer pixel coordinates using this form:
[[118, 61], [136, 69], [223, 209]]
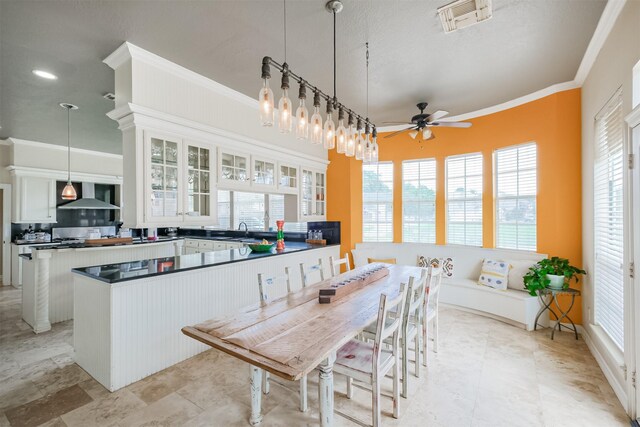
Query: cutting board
[[109, 242]]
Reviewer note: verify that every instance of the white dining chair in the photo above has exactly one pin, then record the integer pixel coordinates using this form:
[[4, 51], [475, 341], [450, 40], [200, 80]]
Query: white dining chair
[[369, 363], [306, 272], [336, 263], [434, 281], [263, 284]]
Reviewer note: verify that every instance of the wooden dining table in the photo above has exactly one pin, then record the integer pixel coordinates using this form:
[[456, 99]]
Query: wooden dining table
[[291, 336]]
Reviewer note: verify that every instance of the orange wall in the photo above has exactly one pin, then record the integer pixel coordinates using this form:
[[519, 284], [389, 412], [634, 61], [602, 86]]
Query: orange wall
[[553, 122]]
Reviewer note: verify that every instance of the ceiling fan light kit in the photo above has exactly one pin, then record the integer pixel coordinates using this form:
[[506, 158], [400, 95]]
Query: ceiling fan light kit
[[349, 140], [423, 122]]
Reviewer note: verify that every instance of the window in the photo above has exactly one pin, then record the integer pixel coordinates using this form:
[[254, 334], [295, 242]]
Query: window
[[419, 201], [377, 202], [608, 221], [516, 189], [235, 207], [464, 199]]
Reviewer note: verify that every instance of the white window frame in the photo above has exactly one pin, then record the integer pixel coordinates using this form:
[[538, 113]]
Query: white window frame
[[420, 204], [377, 223], [498, 197], [465, 199], [609, 266]]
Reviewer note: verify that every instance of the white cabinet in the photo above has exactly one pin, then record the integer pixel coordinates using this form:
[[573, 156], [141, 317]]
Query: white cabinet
[[34, 200], [178, 181], [313, 190], [233, 170], [197, 246], [288, 179], [263, 174]]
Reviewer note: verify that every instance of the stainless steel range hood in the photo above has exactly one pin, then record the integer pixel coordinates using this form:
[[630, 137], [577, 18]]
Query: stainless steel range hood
[[88, 200]]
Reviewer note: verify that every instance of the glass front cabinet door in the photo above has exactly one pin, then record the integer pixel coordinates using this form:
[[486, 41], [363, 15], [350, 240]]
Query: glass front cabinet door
[[313, 195], [233, 170], [179, 181], [287, 178], [263, 173]]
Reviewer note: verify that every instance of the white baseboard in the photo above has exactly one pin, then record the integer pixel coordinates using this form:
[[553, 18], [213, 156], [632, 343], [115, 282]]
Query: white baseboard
[[618, 389]]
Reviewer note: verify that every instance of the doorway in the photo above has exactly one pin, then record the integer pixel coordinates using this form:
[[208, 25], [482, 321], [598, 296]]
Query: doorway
[[5, 234]]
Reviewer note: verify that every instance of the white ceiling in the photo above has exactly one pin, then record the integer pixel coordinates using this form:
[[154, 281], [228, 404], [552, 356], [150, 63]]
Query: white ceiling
[[527, 46]]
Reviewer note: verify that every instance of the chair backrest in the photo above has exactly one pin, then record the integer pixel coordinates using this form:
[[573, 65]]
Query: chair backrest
[[434, 280], [265, 282], [384, 330], [415, 299], [305, 272], [336, 263]]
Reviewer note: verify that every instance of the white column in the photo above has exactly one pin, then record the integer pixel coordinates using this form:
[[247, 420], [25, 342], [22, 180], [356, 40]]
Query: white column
[[41, 323], [325, 390]]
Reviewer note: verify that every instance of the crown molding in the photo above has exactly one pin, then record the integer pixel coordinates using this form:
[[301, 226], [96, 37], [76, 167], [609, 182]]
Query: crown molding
[[607, 20], [61, 175], [44, 145], [128, 51]]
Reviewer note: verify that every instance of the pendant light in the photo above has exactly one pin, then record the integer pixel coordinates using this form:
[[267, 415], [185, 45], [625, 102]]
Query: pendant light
[[350, 149], [69, 193], [366, 153], [341, 133], [265, 97], [329, 128], [359, 141], [302, 115], [316, 120], [374, 146]]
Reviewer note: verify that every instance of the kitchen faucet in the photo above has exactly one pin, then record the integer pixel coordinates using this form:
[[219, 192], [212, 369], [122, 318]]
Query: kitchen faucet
[[246, 228]]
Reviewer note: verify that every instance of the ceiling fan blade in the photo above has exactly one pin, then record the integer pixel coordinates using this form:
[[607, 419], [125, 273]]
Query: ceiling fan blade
[[451, 124], [437, 115], [397, 123], [397, 132]]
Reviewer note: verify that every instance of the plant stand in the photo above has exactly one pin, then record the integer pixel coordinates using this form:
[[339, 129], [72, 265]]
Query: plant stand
[[547, 302]]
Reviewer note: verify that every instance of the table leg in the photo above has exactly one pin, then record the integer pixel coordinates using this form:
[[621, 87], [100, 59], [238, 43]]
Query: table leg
[[256, 396], [565, 315], [545, 306], [325, 390]]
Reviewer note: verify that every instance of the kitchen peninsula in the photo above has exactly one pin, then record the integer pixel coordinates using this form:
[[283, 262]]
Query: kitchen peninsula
[[128, 316]]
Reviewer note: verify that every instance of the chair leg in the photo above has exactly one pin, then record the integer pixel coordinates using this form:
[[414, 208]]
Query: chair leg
[[303, 394], [425, 344], [349, 387], [416, 346], [265, 382], [375, 400], [396, 387], [405, 367], [435, 333]]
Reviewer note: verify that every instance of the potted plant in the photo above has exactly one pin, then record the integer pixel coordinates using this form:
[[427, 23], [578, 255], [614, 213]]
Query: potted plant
[[554, 273]]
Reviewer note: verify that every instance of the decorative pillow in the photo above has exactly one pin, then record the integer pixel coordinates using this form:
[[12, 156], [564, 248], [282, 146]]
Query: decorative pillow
[[445, 263], [516, 274], [494, 274], [385, 260]]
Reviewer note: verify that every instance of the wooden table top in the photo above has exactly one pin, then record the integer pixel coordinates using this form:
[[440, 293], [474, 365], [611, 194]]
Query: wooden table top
[[291, 335]]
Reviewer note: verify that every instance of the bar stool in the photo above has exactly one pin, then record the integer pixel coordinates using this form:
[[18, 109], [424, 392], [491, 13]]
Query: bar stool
[[263, 284], [369, 362], [336, 263], [306, 272]]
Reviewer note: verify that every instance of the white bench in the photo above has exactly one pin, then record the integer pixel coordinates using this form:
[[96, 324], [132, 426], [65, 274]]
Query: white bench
[[512, 305]]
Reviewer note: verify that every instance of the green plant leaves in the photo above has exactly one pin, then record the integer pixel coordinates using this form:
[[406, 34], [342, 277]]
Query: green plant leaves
[[536, 277]]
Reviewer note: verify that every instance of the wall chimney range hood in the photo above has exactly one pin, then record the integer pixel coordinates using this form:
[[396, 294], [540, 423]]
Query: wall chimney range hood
[[88, 200]]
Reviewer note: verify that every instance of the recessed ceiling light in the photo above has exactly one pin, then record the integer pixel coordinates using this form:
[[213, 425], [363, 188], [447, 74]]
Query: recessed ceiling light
[[45, 74]]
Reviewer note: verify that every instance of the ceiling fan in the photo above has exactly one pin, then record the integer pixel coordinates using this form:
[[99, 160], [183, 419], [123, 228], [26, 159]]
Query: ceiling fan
[[421, 123]]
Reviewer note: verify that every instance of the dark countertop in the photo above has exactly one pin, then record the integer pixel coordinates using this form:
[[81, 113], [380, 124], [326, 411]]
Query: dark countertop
[[83, 246], [115, 273]]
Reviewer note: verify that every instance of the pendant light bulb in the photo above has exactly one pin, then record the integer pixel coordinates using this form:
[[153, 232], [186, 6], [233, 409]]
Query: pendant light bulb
[[302, 115], [341, 133], [68, 192], [329, 128], [316, 120], [285, 121], [265, 97], [352, 133]]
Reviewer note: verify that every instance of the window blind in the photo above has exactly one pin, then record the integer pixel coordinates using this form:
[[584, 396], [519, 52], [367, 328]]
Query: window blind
[[377, 202], [419, 201], [516, 189], [608, 221], [464, 199], [276, 212], [248, 208]]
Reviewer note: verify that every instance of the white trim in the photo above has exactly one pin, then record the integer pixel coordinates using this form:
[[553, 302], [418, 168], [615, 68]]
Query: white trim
[[37, 144], [599, 340], [131, 114], [5, 142], [633, 118], [5, 233], [128, 51], [605, 25], [61, 175]]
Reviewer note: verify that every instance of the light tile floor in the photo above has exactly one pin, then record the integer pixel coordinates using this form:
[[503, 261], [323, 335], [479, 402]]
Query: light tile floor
[[486, 373]]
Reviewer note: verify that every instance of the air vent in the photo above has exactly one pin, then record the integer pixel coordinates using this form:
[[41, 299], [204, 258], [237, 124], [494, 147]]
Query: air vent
[[109, 96], [464, 13]]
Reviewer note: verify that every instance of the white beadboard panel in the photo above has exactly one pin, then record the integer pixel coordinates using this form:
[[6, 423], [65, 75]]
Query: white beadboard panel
[[63, 260], [147, 315], [92, 352]]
